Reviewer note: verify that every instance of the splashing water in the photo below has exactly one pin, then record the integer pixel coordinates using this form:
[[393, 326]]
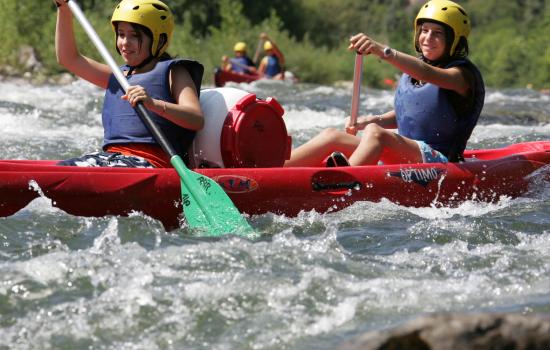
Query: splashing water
[[311, 282]]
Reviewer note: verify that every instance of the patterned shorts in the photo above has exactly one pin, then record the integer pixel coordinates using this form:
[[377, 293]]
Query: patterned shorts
[[107, 159], [430, 155]]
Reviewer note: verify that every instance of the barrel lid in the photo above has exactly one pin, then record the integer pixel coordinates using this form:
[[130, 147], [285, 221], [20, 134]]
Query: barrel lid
[[254, 134]]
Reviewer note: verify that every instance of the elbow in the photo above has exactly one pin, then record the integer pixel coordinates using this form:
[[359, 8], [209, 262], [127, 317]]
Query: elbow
[[63, 60], [199, 125], [60, 59]]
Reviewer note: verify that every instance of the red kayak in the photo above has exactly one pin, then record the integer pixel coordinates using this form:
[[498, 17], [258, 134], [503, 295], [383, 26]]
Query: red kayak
[[221, 77], [485, 176]]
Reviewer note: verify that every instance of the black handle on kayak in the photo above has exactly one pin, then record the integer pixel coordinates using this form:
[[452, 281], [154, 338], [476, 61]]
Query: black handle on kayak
[[317, 186]]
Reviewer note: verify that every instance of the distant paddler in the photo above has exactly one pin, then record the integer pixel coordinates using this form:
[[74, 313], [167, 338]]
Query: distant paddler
[[272, 64], [240, 63]]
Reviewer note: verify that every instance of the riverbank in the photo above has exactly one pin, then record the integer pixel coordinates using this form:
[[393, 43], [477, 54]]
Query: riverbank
[[37, 80], [28, 68]]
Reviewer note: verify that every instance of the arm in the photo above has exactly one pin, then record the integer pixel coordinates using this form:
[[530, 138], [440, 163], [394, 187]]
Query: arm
[[276, 50], [248, 67], [226, 66], [67, 52], [262, 66], [251, 66], [447, 78], [279, 54], [185, 112]]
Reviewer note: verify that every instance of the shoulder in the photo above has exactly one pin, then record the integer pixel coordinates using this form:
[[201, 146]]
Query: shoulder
[[464, 65], [187, 71], [188, 64], [467, 69], [471, 73], [194, 68]]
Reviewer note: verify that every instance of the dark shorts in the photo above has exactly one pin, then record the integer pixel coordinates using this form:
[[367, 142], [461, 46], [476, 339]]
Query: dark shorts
[[107, 159]]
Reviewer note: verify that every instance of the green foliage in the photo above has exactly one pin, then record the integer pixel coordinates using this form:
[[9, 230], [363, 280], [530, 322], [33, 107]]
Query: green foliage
[[512, 50], [8, 26], [509, 40]]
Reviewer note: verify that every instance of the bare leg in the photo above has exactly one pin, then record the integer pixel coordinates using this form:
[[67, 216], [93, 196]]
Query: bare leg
[[378, 143], [313, 152]]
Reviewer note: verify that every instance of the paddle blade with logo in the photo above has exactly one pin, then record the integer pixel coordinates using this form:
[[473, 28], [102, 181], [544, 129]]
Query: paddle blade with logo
[[206, 206]]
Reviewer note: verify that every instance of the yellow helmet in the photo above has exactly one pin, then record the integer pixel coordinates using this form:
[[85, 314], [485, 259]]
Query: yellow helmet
[[446, 12], [152, 14], [268, 46], [239, 47]]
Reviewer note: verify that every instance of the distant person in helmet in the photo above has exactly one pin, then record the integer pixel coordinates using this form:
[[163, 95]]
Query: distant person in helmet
[[437, 103], [241, 63], [167, 87], [271, 66]]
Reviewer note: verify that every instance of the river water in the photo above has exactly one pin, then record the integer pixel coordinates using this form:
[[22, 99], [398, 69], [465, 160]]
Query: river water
[[310, 282]]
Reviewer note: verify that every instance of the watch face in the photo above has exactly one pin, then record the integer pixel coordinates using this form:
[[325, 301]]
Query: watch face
[[387, 52]]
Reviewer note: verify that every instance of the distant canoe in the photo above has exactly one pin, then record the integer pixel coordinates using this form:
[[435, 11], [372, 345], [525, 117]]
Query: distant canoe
[[221, 77]]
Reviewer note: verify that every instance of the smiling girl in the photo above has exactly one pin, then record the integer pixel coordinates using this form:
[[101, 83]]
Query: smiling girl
[[437, 103], [168, 87]]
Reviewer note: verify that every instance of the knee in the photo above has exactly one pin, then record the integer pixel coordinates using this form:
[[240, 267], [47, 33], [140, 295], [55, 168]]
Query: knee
[[330, 135], [374, 132]]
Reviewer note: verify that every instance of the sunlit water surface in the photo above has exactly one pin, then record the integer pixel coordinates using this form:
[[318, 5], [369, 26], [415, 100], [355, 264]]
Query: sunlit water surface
[[310, 282]]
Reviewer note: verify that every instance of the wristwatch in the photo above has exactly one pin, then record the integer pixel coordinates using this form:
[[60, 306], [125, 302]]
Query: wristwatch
[[388, 52]]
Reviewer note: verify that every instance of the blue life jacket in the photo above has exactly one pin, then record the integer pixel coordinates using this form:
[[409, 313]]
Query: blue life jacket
[[239, 64], [272, 67], [426, 113], [122, 124]]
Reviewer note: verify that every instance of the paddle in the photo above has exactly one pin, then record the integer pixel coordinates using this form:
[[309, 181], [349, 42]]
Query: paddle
[[242, 65], [206, 206], [258, 50], [357, 74]]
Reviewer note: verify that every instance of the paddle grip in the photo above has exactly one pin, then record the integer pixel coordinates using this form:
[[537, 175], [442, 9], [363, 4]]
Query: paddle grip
[[357, 75]]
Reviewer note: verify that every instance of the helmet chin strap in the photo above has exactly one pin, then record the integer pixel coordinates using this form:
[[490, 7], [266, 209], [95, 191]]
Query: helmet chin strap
[[141, 65], [148, 59], [443, 61]]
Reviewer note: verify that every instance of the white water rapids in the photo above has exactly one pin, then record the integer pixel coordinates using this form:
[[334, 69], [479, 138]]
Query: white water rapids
[[311, 282]]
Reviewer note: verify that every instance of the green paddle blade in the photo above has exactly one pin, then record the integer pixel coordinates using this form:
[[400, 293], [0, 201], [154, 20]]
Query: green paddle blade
[[207, 208]]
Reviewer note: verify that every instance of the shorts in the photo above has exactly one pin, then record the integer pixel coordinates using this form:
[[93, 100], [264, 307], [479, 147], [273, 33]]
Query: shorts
[[430, 155], [107, 159]]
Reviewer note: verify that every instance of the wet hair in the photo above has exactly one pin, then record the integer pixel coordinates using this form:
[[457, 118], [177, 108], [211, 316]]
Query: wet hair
[[462, 49]]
